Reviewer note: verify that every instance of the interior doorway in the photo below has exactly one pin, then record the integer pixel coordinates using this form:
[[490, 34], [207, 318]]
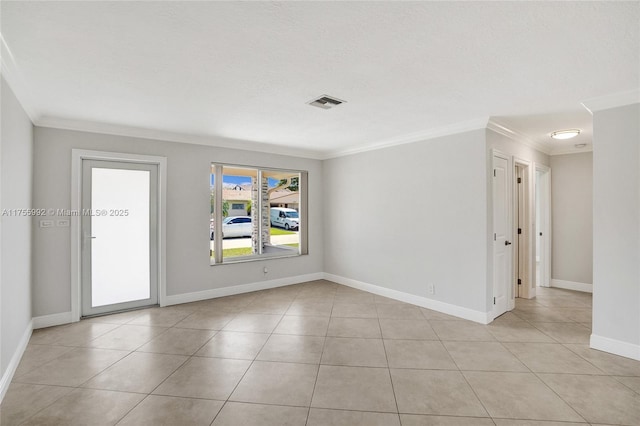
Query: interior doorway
[[523, 228], [543, 226], [502, 244], [118, 232], [119, 236]]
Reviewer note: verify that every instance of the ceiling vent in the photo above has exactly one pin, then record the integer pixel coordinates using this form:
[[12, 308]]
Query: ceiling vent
[[325, 102]]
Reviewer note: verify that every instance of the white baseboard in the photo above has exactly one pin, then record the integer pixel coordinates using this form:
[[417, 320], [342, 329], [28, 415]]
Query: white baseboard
[[5, 382], [51, 320], [239, 289], [617, 347], [572, 285], [445, 308]]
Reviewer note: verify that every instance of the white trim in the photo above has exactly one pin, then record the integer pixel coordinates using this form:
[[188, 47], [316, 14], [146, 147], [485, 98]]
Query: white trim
[[572, 150], [139, 132], [616, 347], [432, 133], [490, 227], [52, 320], [613, 100], [14, 79], [572, 285], [5, 382], [240, 289], [77, 155], [516, 136], [529, 246], [435, 305], [547, 229]]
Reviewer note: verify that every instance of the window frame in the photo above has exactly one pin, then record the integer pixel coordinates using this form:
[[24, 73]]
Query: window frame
[[303, 245]]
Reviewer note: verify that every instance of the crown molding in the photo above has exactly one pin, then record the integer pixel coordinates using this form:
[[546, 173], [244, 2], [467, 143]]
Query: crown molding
[[138, 132], [517, 136], [13, 77], [613, 100], [437, 132], [572, 150]]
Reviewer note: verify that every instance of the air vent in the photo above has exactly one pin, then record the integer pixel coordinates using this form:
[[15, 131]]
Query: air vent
[[325, 102]]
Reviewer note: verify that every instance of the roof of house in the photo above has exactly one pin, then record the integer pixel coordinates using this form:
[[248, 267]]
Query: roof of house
[[236, 195], [285, 197]]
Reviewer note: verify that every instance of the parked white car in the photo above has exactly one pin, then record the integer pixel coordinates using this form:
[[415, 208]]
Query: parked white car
[[235, 226], [284, 218]]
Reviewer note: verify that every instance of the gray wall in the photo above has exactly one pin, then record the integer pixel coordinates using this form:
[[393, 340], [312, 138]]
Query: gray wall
[[440, 236], [16, 146], [572, 217], [616, 224], [188, 268]]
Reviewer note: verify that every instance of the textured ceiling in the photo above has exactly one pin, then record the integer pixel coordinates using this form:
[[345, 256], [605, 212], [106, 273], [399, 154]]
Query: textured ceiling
[[243, 72]]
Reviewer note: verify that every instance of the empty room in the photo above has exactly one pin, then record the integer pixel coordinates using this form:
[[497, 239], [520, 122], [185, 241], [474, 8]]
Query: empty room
[[320, 213]]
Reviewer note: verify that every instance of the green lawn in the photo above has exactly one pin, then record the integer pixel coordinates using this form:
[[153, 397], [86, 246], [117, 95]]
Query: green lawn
[[245, 251], [232, 252], [280, 231], [242, 251]]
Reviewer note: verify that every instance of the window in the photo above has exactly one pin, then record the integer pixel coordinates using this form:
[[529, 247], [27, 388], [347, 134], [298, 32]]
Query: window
[[247, 212]]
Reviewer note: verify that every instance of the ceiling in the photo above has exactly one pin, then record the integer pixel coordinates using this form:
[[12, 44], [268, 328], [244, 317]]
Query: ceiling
[[241, 73]]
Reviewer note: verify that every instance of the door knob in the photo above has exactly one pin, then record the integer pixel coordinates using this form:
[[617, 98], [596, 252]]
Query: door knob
[[507, 243]]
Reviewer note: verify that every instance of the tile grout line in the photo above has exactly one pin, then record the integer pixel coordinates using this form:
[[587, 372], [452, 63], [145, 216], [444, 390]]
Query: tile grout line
[[461, 372], [188, 358], [324, 342], [542, 381], [530, 322], [252, 361], [386, 357]]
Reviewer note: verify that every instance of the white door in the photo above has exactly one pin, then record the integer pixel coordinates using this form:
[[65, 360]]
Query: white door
[[501, 239], [119, 236], [543, 228]]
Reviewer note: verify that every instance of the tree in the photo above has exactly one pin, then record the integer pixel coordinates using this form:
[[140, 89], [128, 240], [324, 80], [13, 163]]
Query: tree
[[225, 205], [293, 185]]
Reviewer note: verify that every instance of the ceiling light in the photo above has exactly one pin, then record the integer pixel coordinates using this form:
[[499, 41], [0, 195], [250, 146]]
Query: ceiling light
[[565, 134]]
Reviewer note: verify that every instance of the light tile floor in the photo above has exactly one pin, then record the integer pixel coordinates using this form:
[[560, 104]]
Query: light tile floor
[[319, 353]]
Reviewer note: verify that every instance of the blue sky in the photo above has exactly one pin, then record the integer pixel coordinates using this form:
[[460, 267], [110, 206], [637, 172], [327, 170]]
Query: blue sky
[[239, 180]]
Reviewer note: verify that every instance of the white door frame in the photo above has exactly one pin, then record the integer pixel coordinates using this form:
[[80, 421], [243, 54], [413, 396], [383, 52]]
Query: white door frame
[[509, 202], [77, 156], [528, 288], [545, 223]]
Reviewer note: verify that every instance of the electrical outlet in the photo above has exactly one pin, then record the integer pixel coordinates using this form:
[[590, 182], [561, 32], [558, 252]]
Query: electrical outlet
[[431, 288]]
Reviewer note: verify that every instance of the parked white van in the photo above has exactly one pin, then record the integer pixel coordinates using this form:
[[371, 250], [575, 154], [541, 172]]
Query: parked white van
[[284, 218]]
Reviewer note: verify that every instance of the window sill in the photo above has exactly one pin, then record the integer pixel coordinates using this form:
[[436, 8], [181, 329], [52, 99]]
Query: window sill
[[255, 258]]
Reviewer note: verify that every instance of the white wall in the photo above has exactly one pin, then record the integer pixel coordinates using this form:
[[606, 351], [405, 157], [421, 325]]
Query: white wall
[[616, 230], [440, 238], [188, 166], [572, 217], [16, 146]]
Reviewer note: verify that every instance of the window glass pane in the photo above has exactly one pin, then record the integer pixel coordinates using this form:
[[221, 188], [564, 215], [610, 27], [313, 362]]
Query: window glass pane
[[259, 211], [282, 214], [212, 211], [239, 195], [120, 251]]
